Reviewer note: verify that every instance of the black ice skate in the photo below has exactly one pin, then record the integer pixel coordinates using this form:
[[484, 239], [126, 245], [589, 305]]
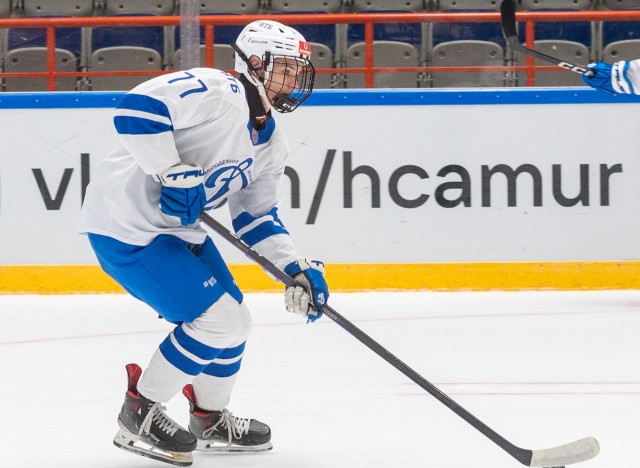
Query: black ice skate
[[221, 431], [147, 431]]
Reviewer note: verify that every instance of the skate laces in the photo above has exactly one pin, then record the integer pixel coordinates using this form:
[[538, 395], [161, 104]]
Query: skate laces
[[235, 426], [156, 415]]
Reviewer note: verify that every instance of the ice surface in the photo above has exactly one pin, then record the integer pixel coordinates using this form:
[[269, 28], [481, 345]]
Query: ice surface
[[540, 368]]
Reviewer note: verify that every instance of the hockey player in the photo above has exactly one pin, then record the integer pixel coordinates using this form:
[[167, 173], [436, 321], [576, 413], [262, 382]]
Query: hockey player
[[188, 141], [621, 77]]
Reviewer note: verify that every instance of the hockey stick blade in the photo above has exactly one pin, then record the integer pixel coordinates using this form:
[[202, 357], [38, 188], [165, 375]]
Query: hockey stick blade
[[574, 452], [508, 19]]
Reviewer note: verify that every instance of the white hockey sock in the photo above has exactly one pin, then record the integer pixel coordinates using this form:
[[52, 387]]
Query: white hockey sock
[[161, 380], [224, 326], [213, 393]]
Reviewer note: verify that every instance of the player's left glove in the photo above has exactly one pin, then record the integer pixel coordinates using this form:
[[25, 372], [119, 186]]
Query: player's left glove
[[182, 192], [311, 291], [609, 78]]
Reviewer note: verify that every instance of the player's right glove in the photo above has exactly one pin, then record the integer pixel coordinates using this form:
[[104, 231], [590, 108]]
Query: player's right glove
[[609, 78], [311, 291], [182, 192]]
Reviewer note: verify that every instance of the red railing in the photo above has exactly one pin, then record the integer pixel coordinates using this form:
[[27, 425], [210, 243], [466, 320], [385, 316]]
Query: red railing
[[369, 20]]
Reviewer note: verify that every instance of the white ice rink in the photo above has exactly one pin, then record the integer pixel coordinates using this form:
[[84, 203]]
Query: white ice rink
[[540, 368]]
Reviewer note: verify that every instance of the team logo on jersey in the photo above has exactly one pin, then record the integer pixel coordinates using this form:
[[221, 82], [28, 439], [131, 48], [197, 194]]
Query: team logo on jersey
[[304, 48], [233, 176]]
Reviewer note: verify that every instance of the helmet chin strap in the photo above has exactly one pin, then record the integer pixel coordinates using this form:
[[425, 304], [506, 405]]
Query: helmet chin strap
[[284, 101], [254, 79]]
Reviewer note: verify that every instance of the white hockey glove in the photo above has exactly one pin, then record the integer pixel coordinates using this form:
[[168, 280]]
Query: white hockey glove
[[311, 293]]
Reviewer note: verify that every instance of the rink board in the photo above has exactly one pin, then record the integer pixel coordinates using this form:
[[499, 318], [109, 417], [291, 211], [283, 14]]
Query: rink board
[[415, 189]]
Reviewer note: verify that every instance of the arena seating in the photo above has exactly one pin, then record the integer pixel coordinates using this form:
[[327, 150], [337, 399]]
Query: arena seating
[[467, 44], [620, 39], [335, 46]]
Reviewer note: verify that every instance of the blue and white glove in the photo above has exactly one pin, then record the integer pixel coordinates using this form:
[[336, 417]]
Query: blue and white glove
[[182, 192], [311, 293], [609, 78]]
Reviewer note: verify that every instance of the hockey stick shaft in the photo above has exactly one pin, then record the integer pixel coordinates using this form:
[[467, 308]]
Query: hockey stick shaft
[[508, 19], [524, 456]]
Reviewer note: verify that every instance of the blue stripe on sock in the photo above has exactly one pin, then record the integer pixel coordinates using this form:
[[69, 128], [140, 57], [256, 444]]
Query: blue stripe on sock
[[222, 370], [195, 347], [230, 353], [179, 360]]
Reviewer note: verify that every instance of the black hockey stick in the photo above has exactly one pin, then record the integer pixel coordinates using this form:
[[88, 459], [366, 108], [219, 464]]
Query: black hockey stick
[[574, 452], [508, 17]]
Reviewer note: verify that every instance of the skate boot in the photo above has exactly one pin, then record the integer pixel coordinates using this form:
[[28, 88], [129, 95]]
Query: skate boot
[[146, 430], [221, 431]]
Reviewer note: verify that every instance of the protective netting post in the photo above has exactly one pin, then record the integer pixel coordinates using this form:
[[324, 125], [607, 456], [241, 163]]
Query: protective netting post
[[189, 34]]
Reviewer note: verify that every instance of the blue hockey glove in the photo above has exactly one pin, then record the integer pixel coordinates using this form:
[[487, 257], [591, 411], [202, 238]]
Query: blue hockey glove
[[609, 78], [182, 193], [311, 293]]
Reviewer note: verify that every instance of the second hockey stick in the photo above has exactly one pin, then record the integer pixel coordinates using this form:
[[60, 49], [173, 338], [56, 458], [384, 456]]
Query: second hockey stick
[[508, 18], [574, 452]]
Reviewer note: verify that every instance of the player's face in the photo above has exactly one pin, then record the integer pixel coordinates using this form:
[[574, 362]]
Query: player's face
[[283, 78]]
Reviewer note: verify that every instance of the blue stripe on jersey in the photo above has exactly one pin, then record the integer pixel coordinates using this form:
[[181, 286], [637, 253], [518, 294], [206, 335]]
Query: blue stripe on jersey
[[222, 370], [126, 125], [142, 103], [263, 230], [194, 346], [179, 360], [261, 136], [130, 125]]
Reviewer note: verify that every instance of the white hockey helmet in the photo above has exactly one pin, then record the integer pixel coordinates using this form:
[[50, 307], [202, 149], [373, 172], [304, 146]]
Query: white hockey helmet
[[270, 41]]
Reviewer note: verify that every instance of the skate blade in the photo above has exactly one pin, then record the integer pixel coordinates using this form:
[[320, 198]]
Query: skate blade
[[224, 447], [134, 444]]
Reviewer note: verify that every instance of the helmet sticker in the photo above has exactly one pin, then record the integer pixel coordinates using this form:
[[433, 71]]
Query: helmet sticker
[[304, 48]]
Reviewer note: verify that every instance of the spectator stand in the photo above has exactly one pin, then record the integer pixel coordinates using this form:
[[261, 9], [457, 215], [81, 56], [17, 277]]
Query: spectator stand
[[372, 24]]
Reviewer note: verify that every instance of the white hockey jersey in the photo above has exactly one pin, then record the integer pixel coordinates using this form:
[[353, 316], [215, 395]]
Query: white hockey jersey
[[199, 116], [625, 77]]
